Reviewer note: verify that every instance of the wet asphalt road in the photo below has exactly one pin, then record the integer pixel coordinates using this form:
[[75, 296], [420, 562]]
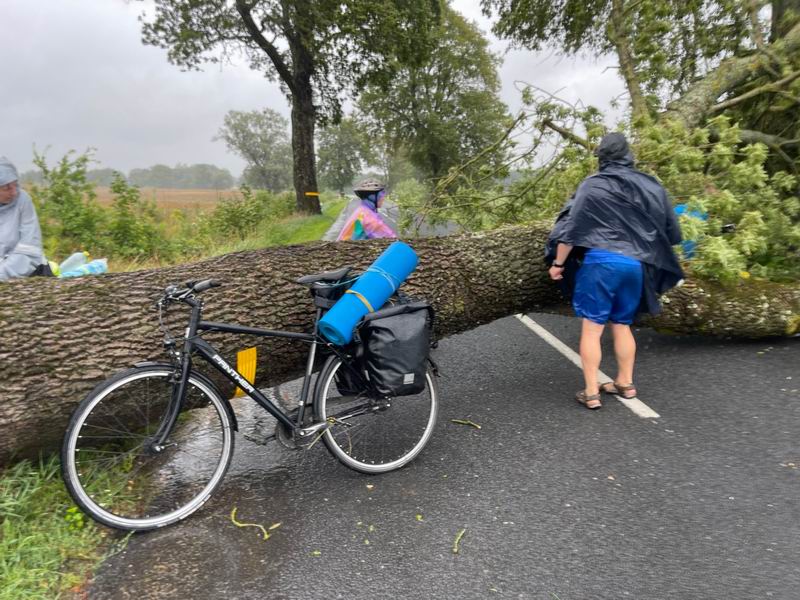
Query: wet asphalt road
[[558, 502]]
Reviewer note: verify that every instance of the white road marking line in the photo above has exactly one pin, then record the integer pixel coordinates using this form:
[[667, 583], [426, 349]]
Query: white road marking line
[[637, 406]]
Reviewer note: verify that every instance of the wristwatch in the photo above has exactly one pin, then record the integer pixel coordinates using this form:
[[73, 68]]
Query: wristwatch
[[556, 265]]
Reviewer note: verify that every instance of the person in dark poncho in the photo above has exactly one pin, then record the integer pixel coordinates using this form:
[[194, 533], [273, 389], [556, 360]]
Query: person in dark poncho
[[611, 248]]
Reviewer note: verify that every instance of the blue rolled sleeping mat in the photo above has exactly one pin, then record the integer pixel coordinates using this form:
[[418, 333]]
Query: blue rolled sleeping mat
[[369, 292]]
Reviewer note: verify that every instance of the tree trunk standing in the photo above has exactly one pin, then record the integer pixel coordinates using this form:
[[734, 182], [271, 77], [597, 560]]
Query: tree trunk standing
[[297, 78], [780, 25], [305, 174], [59, 338], [617, 33], [304, 114]]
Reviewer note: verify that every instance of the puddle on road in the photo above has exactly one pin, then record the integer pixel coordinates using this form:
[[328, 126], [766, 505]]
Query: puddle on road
[[206, 555]]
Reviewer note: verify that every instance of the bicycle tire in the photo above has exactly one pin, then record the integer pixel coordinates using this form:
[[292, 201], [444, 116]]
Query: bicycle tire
[[386, 437], [123, 483]]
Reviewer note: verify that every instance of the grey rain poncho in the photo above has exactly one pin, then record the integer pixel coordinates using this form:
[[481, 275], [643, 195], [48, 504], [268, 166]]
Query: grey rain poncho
[[626, 211], [20, 236]]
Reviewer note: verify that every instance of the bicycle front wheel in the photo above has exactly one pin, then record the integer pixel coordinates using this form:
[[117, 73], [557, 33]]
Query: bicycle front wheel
[[375, 435], [112, 467]]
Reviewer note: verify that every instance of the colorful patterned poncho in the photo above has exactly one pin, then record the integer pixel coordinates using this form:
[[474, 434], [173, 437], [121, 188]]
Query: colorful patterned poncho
[[365, 224]]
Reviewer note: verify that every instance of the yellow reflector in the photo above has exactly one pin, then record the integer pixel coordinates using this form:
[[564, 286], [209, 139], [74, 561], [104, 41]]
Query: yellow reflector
[[246, 365]]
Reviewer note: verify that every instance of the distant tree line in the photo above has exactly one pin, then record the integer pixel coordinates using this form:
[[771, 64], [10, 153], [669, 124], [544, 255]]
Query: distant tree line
[[199, 176], [182, 176]]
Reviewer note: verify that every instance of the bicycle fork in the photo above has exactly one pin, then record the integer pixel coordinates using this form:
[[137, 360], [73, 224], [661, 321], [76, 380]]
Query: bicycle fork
[[158, 441]]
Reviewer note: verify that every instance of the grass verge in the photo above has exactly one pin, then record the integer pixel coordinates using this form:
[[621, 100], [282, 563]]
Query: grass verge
[[48, 548], [295, 229]]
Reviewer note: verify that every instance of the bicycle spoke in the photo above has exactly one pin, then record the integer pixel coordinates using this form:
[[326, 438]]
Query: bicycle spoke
[[375, 435], [124, 485]]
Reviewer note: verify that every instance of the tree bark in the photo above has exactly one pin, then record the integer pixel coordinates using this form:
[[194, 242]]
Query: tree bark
[[304, 158], [619, 37], [59, 338]]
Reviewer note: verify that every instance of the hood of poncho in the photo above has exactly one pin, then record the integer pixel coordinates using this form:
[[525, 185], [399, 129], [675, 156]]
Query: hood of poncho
[[8, 172]]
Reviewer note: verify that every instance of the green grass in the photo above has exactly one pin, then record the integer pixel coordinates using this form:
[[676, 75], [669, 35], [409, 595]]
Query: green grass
[[295, 229], [48, 548]]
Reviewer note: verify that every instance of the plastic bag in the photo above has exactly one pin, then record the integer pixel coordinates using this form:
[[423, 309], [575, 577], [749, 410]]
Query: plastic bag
[[93, 267]]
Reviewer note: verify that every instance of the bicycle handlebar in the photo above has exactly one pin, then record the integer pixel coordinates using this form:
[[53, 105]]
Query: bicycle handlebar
[[173, 293], [205, 285]]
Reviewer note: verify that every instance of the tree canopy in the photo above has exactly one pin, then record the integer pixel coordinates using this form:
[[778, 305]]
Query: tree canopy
[[261, 138], [445, 108], [690, 54], [343, 150], [321, 52], [714, 98]]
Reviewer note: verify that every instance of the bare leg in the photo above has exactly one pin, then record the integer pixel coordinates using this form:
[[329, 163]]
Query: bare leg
[[591, 353], [625, 351]]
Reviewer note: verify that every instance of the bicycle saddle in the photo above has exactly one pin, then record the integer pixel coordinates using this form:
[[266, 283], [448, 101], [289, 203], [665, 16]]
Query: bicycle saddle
[[327, 277]]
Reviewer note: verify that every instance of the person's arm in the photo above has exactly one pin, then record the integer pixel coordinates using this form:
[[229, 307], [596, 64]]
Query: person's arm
[[557, 268], [575, 222]]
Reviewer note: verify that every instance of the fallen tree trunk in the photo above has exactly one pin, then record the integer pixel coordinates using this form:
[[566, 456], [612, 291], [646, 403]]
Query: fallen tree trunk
[[59, 338]]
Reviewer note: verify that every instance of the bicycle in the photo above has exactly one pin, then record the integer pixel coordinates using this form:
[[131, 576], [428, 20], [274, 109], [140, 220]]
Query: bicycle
[[149, 446]]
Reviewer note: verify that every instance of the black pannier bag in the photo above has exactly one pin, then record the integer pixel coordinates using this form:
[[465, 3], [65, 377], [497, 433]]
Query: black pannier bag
[[395, 345]]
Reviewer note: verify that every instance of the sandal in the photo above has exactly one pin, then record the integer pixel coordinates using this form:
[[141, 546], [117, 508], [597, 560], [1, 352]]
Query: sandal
[[627, 391], [591, 402]]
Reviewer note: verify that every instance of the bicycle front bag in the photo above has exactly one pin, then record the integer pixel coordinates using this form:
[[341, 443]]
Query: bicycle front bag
[[396, 343]]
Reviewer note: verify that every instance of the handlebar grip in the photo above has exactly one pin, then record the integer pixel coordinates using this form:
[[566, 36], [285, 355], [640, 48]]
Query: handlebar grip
[[205, 285]]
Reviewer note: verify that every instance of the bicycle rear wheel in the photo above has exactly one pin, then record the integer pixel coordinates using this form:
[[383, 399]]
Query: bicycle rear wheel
[[109, 462], [375, 435]]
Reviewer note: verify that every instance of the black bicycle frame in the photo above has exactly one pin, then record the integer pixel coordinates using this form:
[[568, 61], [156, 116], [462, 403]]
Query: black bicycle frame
[[193, 344]]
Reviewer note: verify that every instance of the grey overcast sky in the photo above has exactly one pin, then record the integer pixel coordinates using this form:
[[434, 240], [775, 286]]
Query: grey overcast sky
[[75, 75]]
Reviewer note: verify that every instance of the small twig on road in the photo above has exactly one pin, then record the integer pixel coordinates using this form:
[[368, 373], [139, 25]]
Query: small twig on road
[[459, 535], [261, 527], [465, 422]]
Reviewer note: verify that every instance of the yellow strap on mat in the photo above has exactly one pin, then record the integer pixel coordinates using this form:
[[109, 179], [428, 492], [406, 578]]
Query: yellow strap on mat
[[361, 297], [246, 365]]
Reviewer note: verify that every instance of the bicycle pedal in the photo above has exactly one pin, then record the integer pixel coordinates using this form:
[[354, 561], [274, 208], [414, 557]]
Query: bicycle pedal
[[313, 429]]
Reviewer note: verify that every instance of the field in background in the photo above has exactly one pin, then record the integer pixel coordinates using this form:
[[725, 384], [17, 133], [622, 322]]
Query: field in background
[[293, 229], [168, 199]]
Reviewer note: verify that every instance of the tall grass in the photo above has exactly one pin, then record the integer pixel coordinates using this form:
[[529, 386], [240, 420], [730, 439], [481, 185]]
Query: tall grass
[[293, 229]]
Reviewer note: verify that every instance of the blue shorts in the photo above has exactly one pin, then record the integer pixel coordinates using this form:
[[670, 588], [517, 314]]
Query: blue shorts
[[608, 291]]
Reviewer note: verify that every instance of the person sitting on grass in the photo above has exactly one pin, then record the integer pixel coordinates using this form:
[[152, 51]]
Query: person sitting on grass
[[20, 236]]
